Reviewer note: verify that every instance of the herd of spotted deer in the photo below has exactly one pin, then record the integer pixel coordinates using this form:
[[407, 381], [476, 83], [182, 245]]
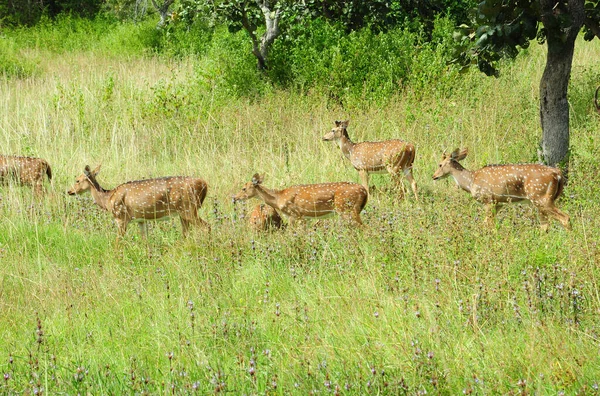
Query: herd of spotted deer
[[153, 199]]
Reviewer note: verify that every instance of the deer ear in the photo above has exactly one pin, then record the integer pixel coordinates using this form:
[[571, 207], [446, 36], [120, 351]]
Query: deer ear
[[337, 123], [257, 179], [460, 155], [344, 124]]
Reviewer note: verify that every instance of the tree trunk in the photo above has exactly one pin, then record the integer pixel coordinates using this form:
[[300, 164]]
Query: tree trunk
[[163, 11], [554, 106]]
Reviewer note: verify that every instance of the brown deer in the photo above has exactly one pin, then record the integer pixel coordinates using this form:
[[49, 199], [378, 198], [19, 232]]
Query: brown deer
[[389, 156], [493, 185], [150, 199], [264, 218], [25, 170], [596, 100], [310, 200]]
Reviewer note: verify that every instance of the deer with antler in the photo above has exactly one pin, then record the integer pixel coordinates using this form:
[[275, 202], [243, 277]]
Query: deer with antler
[[25, 170], [310, 200], [494, 185], [149, 199], [389, 156]]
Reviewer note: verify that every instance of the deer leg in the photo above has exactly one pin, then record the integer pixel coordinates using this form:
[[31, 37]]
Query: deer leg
[[395, 176], [355, 216], [364, 179], [293, 221], [38, 190], [413, 184], [202, 223], [490, 212], [143, 226], [185, 225], [543, 220], [122, 226], [559, 215], [194, 219]]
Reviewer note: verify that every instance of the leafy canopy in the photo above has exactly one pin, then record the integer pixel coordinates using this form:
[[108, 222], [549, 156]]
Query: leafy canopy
[[500, 27]]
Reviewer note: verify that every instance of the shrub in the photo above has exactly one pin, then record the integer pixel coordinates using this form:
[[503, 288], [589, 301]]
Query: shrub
[[14, 64]]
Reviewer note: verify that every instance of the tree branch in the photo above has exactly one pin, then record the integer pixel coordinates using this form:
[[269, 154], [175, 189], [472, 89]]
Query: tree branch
[[593, 26]]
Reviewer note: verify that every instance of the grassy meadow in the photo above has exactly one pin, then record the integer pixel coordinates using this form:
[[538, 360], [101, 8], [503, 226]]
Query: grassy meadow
[[425, 299]]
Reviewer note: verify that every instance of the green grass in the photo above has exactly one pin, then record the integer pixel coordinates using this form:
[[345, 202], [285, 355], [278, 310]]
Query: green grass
[[425, 298]]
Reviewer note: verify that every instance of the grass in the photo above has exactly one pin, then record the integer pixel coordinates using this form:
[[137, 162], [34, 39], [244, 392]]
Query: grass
[[425, 299]]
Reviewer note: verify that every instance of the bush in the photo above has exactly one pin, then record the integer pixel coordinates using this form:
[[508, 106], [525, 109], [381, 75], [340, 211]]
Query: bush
[[12, 63], [362, 65], [228, 68]]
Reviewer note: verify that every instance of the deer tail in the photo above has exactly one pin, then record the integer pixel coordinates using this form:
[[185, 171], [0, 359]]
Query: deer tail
[[48, 171], [560, 180], [410, 151], [201, 194]]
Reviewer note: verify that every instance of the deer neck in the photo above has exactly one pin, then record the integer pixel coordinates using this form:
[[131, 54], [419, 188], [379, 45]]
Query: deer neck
[[462, 176], [268, 196], [346, 145], [100, 195]]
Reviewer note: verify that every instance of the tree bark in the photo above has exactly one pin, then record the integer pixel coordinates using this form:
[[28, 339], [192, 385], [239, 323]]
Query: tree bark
[[267, 39], [163, 11], [260, 48], [554, 106]]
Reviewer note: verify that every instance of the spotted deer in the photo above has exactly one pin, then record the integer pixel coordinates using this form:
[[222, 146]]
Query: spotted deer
[[264, 218], [310, 200], [596, 100], [25, 170], [144, 200], [494, 185], [389, 156]]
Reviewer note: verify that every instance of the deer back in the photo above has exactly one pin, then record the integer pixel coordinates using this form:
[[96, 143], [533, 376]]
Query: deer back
[[375, 156], [315, 200], [156, 198], [26, 170], [510, 183]]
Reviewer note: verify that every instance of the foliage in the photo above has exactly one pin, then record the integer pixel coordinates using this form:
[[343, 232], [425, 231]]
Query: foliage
[[102, 34], [500, 28], [322, 56], [13, 64], [381, 15], [19, 12]]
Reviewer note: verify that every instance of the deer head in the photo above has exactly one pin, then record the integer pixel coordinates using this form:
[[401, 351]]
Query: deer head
[[84, 181], [449, 162], [249, 189], [338, 131]]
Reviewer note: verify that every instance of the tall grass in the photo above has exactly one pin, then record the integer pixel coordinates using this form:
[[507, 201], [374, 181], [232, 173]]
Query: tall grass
[[425, 299]]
